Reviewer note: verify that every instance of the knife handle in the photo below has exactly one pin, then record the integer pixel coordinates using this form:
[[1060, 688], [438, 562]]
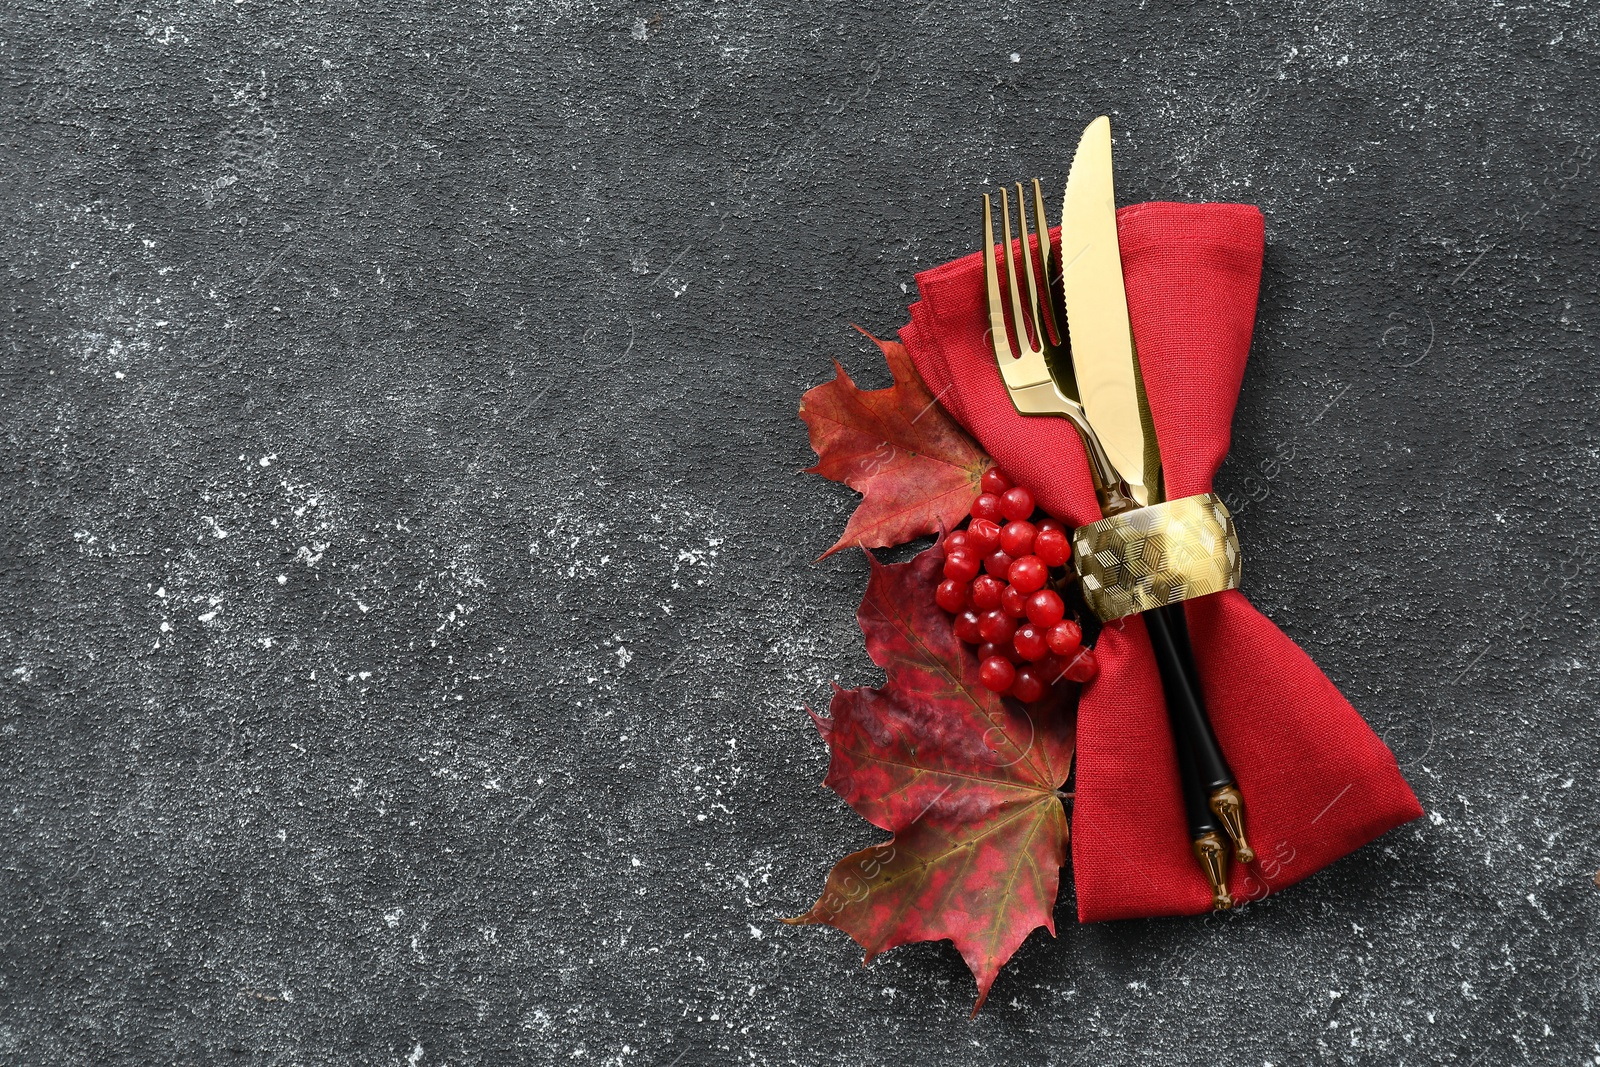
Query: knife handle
[[1210, 791], [1169, 637], [1205, 831]]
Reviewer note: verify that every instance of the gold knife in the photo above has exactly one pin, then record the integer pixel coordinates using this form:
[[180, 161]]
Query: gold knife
[[1103, 358], [1105, 366]]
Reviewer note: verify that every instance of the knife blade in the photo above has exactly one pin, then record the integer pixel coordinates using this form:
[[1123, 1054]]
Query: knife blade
[[1103, 359]]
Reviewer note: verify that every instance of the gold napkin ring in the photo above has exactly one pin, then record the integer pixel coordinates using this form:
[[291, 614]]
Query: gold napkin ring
[[1161, 554]]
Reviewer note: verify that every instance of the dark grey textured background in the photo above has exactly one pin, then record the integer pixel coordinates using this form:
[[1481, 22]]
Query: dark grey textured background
[[406, 613]]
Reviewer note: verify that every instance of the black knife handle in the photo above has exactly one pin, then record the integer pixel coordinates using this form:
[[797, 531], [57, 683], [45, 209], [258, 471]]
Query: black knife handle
[[1169, 637], [1205, 829], [1184, 700], [1211, 796], [1196, 801]]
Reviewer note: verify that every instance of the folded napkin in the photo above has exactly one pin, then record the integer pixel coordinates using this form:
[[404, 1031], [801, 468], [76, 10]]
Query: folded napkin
[[1316, 780]]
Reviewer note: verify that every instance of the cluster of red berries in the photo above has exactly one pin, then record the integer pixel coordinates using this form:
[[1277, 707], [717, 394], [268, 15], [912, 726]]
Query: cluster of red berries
[[997, 584]]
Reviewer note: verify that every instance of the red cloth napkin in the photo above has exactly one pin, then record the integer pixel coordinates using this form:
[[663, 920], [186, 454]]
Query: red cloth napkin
[[1316, 780]]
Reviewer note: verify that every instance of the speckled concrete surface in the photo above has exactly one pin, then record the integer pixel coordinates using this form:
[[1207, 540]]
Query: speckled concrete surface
[[406, 613]]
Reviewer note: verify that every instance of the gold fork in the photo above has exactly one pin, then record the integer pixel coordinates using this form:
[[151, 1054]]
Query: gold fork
[[1039, 379], [1025, 367]]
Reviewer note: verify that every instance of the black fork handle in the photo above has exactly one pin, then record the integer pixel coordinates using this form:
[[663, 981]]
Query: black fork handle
[[1196, 767], [1169, 637], [1211, 794]]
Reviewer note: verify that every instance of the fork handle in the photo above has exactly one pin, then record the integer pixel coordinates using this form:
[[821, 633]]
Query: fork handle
[[1179, 678], [1169, 637], [1194, 768], [1168, 628]]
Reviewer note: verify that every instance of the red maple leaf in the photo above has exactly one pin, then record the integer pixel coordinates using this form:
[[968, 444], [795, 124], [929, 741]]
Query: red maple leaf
[[968, 783], [916, 469]]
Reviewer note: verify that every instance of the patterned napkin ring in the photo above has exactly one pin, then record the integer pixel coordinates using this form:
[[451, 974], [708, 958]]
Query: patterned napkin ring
[[1162, 554]]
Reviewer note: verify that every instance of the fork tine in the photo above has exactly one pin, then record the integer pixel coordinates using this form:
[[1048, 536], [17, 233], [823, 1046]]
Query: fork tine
[[997, 314], [1019, 319], [1038, 308], [1047, 255]]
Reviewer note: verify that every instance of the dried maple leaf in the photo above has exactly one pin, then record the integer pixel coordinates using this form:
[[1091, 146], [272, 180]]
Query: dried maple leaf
[[968, 783], [914, 466]]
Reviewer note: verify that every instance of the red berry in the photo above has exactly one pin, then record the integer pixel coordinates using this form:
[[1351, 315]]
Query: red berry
[[987, 506], [1006, 651], [995, 481], [1064, 638], [1026, 574], [966, 627], [986, 592], [956, 540], [983, 536], [997, 674], [1016, 538], [998, 564], [1016, 503], [1045, 608], [1013, 603], [1049, 522], [1082, 667], [1049, 668], [1029, 642], [1051, 546], [995, 625], [1027, 686], [951, 596], [961, 565]]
